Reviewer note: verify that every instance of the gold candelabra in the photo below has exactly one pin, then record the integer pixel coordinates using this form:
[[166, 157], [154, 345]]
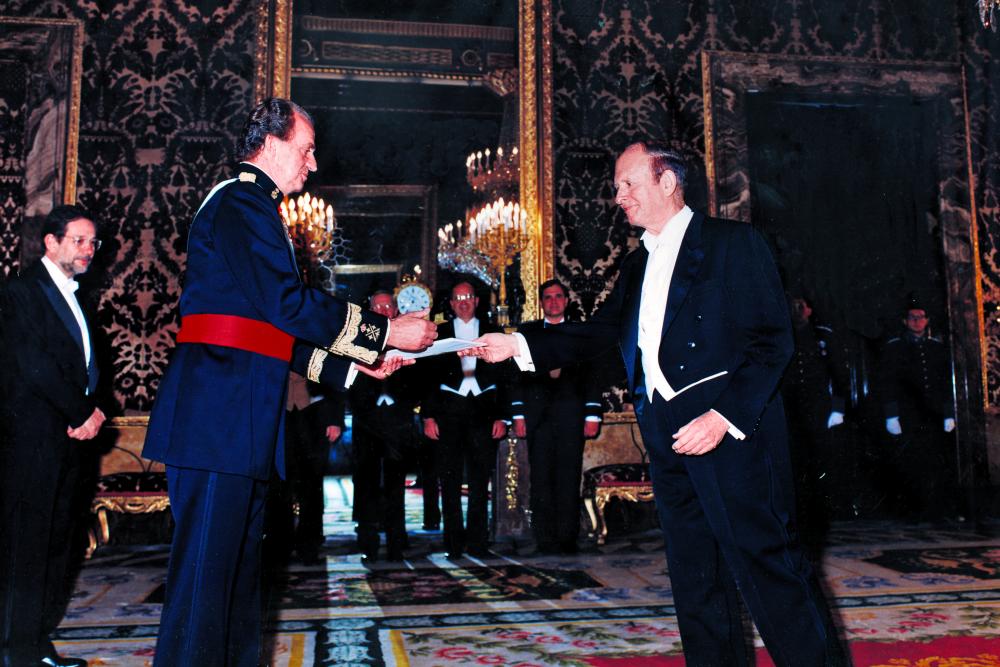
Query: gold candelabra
[[310, 223], [499, 231], [486, 171]]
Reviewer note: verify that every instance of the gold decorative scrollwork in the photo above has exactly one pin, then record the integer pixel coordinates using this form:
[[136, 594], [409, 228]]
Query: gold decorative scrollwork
[[511, 476], [634, 492]]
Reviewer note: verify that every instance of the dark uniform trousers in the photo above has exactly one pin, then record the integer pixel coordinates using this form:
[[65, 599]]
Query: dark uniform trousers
[[811, 389], [382, 437], [466, 441], [916, 389], [217, 549], [555, 454]]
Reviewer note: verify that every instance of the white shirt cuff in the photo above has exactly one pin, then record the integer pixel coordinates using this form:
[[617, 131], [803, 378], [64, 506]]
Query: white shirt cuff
[[732, 430], [523, 358], [352, 373]]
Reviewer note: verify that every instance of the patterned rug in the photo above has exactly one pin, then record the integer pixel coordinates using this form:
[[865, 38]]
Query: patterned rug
[[901, 595]]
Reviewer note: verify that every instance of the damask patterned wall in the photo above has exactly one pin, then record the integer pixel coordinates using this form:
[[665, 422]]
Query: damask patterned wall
[[13, 113], [166, 88], [631, 69]]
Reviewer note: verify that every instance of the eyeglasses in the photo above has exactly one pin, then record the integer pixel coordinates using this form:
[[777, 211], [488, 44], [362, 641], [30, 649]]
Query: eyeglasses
[[81, 241], [916, 317], [463, 297]]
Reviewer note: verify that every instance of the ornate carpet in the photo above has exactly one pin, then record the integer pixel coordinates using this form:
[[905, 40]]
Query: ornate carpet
[[901, 596]]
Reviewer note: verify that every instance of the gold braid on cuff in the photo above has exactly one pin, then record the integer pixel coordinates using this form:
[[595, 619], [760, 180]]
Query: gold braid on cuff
[[344, 345], [315, 367]]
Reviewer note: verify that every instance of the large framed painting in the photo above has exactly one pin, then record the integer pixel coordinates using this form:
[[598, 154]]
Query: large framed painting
[[41, 65]]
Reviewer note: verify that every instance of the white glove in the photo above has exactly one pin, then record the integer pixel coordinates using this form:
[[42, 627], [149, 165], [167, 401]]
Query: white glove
[[892, 426], [836, 419], [949, 424]]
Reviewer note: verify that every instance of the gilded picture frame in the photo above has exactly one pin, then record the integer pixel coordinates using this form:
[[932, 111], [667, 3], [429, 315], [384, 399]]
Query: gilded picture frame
[[536, 187], [40, 100]]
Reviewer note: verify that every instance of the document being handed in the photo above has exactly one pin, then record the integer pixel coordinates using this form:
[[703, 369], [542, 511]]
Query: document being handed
[[440, 346]]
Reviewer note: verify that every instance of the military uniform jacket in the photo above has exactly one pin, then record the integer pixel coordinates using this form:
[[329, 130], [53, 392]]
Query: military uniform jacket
[[222, 408], [815, 369], [915, 379]]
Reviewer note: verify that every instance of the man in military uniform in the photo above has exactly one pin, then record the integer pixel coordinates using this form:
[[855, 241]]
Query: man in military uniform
[[217, 422], [919, 413], [383, 431], [555, 410], [813, 389]]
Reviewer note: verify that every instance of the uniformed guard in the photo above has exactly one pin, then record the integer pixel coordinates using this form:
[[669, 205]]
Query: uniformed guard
[[217, 422], [919, 413], [814, 391]]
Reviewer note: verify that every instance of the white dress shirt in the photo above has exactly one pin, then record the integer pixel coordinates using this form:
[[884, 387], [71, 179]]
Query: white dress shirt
[[663, 249], [68, 287], [467, 331]]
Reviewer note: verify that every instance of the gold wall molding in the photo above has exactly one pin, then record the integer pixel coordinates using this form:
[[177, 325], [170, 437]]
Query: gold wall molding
[[407, 28], [974, 232], [273, 50], [382, 54], [535, 146], [361, 73]]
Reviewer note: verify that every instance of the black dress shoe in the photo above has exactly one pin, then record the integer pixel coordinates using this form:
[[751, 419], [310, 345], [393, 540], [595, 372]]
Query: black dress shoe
[[60, 661], [369, 559], [432, 526], [479, 552], [394, 556], [454, 555]]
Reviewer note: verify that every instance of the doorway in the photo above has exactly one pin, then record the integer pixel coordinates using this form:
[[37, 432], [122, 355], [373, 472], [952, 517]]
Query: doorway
[[845, 188]]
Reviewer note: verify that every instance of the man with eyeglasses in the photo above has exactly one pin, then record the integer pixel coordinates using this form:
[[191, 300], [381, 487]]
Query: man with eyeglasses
[[916, 395], [463, 416], [48, 408]]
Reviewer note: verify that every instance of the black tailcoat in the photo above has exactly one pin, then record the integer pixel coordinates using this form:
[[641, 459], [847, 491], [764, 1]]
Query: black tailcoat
[[726, 514], [45, 382]]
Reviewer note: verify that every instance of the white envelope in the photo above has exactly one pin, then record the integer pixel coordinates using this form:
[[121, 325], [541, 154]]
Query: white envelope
[[440, 346]]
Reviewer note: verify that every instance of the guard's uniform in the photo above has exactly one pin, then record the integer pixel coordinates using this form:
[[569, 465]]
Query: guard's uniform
[[218, 420], [814, 385], [915, 387]]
